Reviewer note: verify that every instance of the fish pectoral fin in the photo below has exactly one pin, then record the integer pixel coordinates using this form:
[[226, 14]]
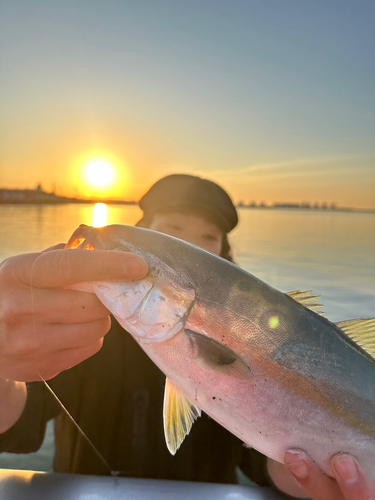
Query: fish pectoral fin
[[213, 356], [179, 414], [308, 300], [362, 332]]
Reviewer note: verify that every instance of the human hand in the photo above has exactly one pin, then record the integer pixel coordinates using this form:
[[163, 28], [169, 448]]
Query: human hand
[[350, 481], [46, 328]]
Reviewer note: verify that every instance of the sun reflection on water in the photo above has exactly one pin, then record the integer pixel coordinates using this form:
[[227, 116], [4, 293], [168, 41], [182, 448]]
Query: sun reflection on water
[[100, 215]]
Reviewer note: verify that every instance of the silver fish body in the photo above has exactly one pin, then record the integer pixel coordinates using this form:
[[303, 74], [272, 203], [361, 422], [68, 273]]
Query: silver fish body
[[271, 371]]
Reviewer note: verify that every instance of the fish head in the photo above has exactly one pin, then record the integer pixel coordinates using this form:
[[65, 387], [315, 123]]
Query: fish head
[[153, 309]]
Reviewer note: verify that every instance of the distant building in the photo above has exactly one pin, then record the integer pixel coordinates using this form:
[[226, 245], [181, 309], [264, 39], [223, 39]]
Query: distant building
[[38, 196], [286, 205], [28, 196]]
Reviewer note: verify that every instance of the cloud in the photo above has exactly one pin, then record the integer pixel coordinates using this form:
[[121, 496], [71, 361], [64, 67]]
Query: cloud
[[303, 167]]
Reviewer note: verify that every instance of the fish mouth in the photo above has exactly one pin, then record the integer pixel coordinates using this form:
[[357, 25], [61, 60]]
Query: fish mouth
[[84, 238]]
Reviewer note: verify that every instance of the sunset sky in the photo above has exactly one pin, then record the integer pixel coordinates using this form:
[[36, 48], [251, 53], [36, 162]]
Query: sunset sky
[[274, 100]]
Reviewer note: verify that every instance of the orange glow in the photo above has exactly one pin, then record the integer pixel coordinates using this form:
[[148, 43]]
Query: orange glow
[[100, 215], [75, 243], [100, 175]]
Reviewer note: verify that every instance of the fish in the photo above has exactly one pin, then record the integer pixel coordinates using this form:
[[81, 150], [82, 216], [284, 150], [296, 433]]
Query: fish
[[266, 365]]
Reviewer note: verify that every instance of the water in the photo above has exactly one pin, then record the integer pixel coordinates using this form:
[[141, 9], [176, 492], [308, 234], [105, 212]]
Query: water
[[329, 252]]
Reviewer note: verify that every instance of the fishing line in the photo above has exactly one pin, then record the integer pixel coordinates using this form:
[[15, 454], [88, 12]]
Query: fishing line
[[76, 424], [83, 434]]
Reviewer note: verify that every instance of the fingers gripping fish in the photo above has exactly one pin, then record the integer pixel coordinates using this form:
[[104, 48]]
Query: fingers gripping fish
[[262, 363]]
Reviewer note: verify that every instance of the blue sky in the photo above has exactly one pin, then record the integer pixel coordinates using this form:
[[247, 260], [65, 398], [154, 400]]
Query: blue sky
[[273, 99]]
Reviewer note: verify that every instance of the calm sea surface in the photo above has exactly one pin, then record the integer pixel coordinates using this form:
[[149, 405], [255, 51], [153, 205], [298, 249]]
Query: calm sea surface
[[331, 253]]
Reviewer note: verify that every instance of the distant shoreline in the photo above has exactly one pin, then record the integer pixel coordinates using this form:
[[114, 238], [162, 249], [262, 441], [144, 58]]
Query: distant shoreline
[[77, 201], [40, 197], [65, 201], [312, 209]]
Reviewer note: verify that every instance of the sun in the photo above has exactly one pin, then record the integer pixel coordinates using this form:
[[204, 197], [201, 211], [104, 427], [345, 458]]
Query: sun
[[100, 173]]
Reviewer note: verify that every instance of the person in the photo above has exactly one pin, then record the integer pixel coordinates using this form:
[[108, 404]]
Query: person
[[109, 385]]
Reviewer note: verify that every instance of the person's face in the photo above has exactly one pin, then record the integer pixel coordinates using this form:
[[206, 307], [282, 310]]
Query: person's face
[[192, 228]]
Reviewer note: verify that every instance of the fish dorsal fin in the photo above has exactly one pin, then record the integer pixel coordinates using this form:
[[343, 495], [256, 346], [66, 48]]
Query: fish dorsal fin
[[179, 414], [362, 331], [308, 300]]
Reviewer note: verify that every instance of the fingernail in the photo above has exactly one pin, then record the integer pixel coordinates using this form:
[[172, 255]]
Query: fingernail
[[136, 267], [346, 468], [296, 462]]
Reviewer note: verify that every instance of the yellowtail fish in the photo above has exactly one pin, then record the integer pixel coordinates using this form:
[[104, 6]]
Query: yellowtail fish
[[264, 364]]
